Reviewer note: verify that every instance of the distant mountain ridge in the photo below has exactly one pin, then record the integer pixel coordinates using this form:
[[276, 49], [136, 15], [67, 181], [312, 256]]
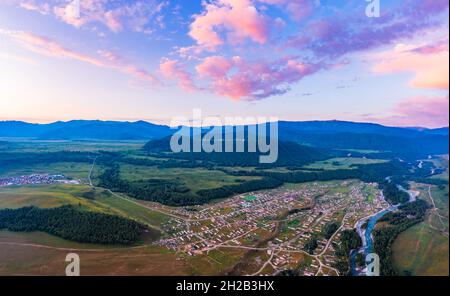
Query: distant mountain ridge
[[409, 142], [142, 130], [85, 130], [335, 126]]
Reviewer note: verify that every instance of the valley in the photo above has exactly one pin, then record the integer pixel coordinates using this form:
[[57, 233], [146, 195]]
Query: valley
[[304, 225]]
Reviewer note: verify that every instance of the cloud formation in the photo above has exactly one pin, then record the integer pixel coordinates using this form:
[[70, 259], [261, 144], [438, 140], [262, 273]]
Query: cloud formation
[[240, 79], [115, 15], [423, 111], [43, 8], [254, 49], [225, 23], [45, 46], [237, 19], [429, 63], [172, 70]]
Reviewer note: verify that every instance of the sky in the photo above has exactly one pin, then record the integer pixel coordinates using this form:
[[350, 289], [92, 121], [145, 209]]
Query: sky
[[291, 59]]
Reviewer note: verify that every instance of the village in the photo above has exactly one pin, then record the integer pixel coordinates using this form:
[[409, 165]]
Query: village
[[36, 179], [286, 219]]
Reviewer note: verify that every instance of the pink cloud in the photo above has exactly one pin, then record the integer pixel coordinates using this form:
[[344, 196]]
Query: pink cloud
[[429, 64], [172, 70], [115, 15], [119, 63], [43, 8], [47, 47], [239, 19], [214, 66], [428, 112], [242, 80]]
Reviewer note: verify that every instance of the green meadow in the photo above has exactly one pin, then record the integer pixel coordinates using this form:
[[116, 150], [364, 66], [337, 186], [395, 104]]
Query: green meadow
[[342, 163]]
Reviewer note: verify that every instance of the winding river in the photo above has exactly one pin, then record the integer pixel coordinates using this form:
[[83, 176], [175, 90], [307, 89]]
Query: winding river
[[366, 234]]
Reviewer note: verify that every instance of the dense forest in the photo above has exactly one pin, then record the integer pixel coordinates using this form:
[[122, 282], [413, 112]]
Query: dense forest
[[72, 224], [349, 240], [30, 158], [408, 147], [289, 153], [393, 194], [408, 215]]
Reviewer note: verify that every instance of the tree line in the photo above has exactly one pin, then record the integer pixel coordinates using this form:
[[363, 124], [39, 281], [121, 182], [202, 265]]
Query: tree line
[[408, 215], [349, 240], [71, 224]]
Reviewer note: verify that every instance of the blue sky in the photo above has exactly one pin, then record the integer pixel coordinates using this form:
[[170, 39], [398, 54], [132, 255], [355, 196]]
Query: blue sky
[[295, 60]]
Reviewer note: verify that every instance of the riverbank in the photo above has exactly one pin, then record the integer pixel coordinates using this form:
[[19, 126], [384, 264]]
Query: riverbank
[[366, 234]]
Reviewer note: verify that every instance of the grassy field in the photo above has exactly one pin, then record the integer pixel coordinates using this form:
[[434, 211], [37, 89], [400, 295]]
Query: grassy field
[[342, 163], [45, 255], [442, 162], [421, 250], [74, 170], [84, 197], [29, 145], [132, 210], [47, 196], [195, 178]]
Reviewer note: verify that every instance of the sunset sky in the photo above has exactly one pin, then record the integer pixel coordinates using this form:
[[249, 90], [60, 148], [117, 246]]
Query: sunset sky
[[292, 59]]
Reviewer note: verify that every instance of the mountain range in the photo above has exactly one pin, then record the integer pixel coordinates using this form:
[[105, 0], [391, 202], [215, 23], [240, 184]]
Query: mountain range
[[142, 130], [413, 141], [84, 130]]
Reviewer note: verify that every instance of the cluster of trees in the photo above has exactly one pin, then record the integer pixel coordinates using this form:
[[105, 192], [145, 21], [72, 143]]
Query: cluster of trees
[[349, 240], [408, 215], [72, 224], [393, 194], [311, 245], [30, 158], [376, 172], [329, 229]]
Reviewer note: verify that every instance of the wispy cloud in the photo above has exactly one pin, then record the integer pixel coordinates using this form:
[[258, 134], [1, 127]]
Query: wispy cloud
[[172, 70], [117, 16], [15, 57], [48, 47], [429, 63], [419, 111], [43, 8]]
